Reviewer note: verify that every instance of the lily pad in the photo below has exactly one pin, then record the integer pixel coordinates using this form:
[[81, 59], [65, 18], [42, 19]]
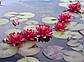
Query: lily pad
[[26, 15], [19, 19], [33, 27], [3, 21], [53, 52], [77, 27], [82, 16], [61, 34], [73, 43], [10, 14], [12, 30], [49, 20], [30, 22], [7, 50], [28, 59], [78, 48], [67, 0], [72, 56], [26, 50], [75, 35], [64, 5]]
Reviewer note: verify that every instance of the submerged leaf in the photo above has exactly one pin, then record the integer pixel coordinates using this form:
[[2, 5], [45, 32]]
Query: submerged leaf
[[7, 50]]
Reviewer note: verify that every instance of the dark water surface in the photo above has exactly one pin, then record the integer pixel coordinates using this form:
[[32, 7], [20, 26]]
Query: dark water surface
[[39, 7]]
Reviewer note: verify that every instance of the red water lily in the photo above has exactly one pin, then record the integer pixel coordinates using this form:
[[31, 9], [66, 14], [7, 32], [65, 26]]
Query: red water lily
[[65, 17], [15, 22], [44, 30], [60, 26], [29, 34], [74, 7], [14, 38]]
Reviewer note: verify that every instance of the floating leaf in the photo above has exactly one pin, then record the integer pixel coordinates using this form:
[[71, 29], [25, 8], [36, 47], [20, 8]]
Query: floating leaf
[[75, 35], [12, 30], [78, 48], [72, 56], [28, 59], [77, 27], [53, 52], [26, 15], [82, 16], [73, 43], [49, 20], [67, 0], [3, 21], [30, 22], [33, 27], [64, 4], [26, 50], [10, 14], [61, 34], [7, 50]]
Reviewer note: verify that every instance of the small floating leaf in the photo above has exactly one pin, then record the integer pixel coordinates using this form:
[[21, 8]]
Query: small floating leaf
[[26, 15], [7, 50], [12, 30], [10, 14], [28, 59], [3, 21], [49, 20]]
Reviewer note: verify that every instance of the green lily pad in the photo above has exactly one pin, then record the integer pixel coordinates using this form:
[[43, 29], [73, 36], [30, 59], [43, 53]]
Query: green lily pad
[[12, 30], [73, 43], [78, 26], [26, 50], [7, 50], [64, 5], [67, 0], [28, 59], [78, 48], [75, 35], [3, 21], [16, 18], [26, 15], [30, 22], [72, 56], [29, 44], [61, 34], [33, 27], [10, 14], [49, 20]]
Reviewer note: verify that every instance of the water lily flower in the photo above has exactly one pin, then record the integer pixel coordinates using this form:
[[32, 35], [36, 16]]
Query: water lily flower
[[60, 26], [65, 17], [44, 30], [29, 34], [74, 7], [14, 38], [15, 22]]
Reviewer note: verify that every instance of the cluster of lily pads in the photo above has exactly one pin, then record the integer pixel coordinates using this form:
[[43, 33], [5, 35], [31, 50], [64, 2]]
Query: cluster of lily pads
[[27, 39]]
